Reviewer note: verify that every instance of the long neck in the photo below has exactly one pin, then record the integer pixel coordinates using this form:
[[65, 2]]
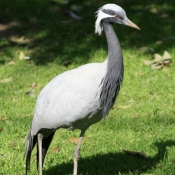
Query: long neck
[[113, 78], [115, 58]]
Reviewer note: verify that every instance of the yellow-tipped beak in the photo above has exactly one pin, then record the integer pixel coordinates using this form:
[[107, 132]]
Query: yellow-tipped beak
[[131, 24]]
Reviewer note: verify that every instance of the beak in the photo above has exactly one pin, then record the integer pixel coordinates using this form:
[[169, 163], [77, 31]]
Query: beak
[[131, 24]]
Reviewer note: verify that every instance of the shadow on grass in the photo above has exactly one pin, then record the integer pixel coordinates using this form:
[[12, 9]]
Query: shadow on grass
[[113, 163], [46, 28]]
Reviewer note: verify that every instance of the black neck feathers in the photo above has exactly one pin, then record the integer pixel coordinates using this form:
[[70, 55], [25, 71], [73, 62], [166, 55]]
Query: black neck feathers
[[112, 81]]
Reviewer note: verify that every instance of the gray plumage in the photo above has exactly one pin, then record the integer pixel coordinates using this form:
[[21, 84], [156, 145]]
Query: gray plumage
[[112, 81], [80, 97]]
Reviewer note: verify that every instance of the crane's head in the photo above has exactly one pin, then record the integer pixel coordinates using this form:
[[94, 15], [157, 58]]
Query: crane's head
[[113, 14]]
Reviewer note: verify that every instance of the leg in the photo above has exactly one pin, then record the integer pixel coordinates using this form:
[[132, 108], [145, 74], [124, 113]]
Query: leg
[[77, 153], [40, 137]]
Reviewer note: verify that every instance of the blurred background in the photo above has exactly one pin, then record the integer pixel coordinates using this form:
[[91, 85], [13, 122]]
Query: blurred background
[[49, 30]]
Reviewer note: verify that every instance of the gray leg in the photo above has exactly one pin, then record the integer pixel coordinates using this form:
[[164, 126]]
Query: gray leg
[[40, 137], [77, 153]]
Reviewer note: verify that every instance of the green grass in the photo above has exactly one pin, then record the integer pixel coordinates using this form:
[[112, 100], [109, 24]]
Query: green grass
[[143, 117]]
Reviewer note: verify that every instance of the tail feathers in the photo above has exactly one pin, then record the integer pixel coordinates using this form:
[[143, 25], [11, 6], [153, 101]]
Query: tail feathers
[[30, 143], [45, 145]]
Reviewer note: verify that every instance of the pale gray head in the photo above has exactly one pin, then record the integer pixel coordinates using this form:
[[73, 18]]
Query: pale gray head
[[112, 13]]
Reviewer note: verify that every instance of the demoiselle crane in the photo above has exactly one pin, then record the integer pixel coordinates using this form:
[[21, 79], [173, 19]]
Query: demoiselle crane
[[78, 98]]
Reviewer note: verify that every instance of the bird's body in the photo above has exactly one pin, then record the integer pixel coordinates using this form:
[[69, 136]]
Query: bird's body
[[78, 98], [78, 85]]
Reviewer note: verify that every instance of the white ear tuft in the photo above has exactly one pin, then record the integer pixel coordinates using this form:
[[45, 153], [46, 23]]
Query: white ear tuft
[[98, 27], [100, 15]]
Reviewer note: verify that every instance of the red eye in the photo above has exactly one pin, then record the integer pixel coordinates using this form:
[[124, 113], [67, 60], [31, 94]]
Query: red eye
[[116, 16]]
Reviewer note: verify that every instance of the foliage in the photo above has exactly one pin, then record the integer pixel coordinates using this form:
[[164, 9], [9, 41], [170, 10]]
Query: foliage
[[159, 61]]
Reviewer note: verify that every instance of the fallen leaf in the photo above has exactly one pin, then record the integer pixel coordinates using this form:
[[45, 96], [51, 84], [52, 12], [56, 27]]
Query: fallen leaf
[[3, 119], [8, 25], [21, 56], [131, 101], [157, 57], [140, 74], [27, 115], [135, 153], [166, 61], [159, 61], [6, 80], [74, 140], [56, 149], [156, 63], [11, 62], [148, 62], [154, 10], [33, 84], [132, 56], [155, 66], [143, 49], [166, 55], [19, 40], [159, 42]]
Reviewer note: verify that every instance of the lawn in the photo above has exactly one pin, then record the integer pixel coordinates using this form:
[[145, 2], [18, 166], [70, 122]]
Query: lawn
[[51, 41]]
